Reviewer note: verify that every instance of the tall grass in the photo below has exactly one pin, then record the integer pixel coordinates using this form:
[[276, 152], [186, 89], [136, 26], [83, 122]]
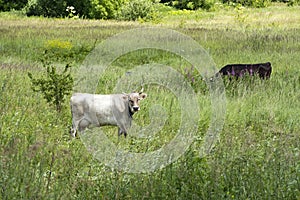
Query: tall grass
[[256, 157]]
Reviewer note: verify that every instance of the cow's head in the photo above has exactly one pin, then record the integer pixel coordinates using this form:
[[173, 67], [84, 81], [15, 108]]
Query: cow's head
[[134, 100]]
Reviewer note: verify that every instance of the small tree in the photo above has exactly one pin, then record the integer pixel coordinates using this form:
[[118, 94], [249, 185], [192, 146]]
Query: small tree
[[53, 85]]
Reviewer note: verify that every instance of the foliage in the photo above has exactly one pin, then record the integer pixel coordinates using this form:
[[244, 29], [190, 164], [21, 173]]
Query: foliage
[[137, 9], [293, 2], [105, 9], [209, 4], [192, 5], [82, 7], [58, 44], [240, 16], [7, 5], [53, 85], [46, 8], [57, 8], [96, 9], [110, 9], [249, 3], [64, 51]]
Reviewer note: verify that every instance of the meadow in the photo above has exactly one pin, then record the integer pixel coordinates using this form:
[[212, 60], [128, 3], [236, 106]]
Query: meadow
[[256, 157]]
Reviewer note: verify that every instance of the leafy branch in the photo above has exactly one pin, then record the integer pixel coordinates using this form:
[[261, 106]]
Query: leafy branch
[[53, 85]]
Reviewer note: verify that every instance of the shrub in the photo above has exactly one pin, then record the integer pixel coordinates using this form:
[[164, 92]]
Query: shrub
[[105, 9], [293, 2], [191, 5], [46, 8], [137, 9], [207, 4], [53, 85], [7, 5], [84, 8], [64, 51], [249, 3]]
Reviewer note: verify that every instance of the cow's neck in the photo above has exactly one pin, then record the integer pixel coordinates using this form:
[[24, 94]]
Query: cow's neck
[[130, 112]]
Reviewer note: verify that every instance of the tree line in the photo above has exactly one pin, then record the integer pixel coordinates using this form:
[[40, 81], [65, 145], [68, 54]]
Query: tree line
[[118, 9]]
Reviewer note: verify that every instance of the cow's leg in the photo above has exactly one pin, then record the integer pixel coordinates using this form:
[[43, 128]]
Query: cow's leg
[[73, 128], [121, 131], [79, 125], [83, 124], [73, 131]]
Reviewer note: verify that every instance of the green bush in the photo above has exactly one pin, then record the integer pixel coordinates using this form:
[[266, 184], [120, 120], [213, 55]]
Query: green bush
[[97, 9], [46, 8], [57, 8], [65, 51], [209, 4], [53, 85], [249, 3], [137, 9], [293, 2], [105, 9], [7, 5], [191, 5]]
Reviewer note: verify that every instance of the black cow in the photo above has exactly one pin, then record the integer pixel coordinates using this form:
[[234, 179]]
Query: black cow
[[239, 70]]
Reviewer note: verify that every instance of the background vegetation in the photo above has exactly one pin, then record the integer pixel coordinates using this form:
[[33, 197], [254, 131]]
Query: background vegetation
[[122, 9], [257, 156]]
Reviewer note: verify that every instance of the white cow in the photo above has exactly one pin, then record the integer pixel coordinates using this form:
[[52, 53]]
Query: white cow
[[101, 110]]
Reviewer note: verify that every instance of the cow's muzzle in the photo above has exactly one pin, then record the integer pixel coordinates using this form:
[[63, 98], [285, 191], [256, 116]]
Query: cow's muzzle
[[136, 108]]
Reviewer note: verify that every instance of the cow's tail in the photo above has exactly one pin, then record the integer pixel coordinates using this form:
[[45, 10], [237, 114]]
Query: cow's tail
[[73, 128]]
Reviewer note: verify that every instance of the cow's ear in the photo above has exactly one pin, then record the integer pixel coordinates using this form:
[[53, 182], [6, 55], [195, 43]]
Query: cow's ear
[[125, 96], [143, 96]]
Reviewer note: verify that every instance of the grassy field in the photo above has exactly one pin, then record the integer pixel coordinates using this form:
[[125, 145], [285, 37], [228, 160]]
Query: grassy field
[[256, 157]]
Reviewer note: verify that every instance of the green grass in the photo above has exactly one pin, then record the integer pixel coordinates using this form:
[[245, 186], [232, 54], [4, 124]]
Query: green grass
[[256, 157]]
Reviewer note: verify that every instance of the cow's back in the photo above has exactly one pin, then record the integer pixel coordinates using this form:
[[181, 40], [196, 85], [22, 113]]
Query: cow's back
[[262, 69], [97, 109]]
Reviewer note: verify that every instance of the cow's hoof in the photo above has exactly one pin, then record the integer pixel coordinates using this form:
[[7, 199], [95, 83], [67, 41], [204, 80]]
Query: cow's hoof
[[72, 133]]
